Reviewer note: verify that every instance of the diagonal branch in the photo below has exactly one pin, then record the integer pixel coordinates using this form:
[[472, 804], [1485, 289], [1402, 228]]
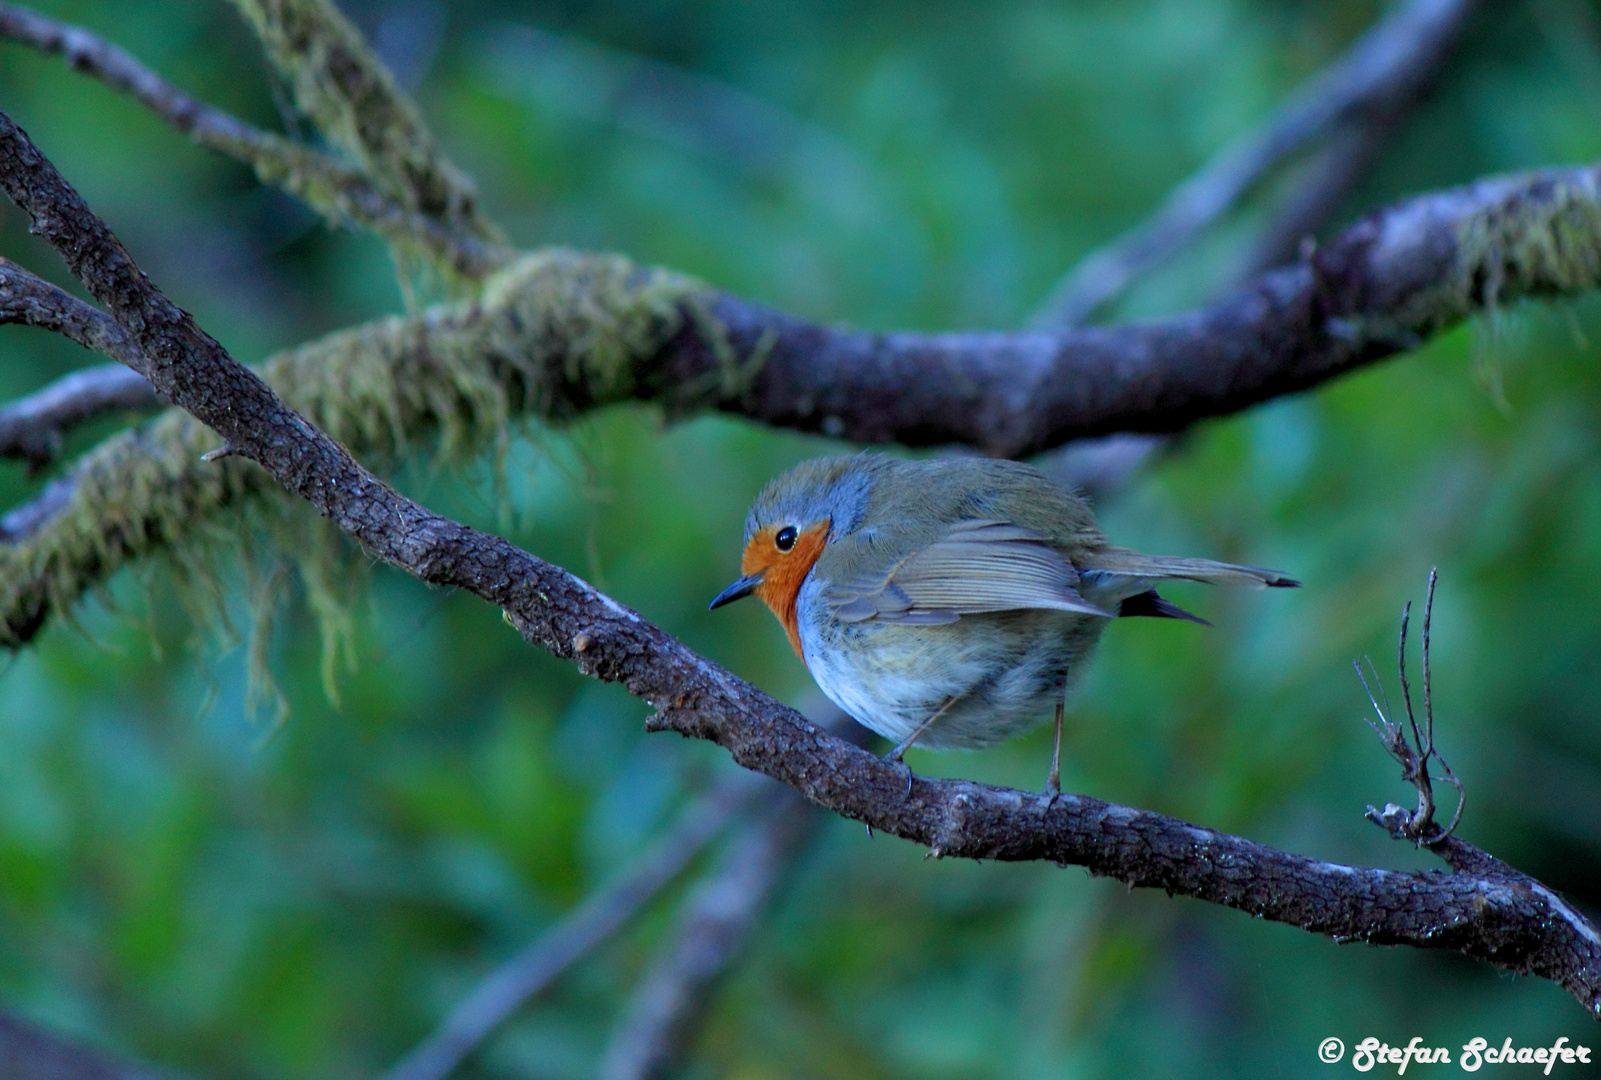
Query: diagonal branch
[[1384, 68], [341, 193], [660, 1020], [541, 962], [1483, 911]]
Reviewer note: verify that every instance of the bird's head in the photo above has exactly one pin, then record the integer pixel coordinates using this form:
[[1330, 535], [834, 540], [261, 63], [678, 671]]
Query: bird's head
[[789, 525]]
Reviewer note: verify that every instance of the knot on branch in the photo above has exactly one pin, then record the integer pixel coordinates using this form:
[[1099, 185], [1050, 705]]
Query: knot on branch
[[951, 832]]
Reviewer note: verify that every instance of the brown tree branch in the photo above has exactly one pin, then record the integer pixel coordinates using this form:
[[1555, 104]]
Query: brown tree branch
[[1485, 910], [340, 192], [1380, 287], [1382, 70], [31, 427]]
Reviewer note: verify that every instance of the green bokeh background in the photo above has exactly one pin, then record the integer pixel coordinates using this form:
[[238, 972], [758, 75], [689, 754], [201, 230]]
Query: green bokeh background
[[189, 876]]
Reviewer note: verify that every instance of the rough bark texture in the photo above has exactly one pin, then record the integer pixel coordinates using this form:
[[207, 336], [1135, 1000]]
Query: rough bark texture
[[1484, 910]]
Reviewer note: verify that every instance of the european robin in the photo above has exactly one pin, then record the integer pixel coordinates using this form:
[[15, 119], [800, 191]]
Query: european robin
[[948, 602]]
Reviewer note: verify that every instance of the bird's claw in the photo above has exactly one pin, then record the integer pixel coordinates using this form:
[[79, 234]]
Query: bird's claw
[[894, 759]]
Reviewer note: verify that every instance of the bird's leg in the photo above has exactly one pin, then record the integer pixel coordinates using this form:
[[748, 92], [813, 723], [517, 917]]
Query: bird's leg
[[1053, 783], [894, 756]]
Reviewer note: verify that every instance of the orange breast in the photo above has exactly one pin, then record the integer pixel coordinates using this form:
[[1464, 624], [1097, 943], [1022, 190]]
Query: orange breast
[[783, 572]]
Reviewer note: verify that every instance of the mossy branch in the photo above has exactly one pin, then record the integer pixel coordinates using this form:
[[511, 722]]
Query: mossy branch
[[339, 82], [554, 335]]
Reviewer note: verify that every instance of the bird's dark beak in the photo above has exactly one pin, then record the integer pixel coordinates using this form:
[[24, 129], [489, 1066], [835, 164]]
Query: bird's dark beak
[[743, 587]]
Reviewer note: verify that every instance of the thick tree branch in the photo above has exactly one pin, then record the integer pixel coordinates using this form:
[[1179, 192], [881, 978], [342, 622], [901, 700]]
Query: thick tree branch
[[1484, 911], [1383, 70], [342, 193]]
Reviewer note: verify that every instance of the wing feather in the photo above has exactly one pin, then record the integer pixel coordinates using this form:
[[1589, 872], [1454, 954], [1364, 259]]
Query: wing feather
[[978, 566]]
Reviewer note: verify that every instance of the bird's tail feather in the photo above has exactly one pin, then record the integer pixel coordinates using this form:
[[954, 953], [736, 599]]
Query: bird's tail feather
[[1132, 564]]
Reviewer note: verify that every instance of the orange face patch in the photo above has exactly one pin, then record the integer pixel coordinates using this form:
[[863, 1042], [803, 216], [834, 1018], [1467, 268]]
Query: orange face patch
[[783, 572]]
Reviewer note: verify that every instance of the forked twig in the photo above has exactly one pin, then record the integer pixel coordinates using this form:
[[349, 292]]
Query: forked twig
[[1417, 825]]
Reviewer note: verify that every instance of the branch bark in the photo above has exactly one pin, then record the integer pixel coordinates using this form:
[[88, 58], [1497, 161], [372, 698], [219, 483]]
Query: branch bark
[[31, 427], [1485, 910]]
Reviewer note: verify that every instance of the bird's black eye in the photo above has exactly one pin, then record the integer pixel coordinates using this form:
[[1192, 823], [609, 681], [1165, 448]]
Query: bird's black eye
[[785, 540]]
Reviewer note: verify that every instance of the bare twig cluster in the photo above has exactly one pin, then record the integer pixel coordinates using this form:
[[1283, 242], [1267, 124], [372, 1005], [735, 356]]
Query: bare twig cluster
[[1417, 825]]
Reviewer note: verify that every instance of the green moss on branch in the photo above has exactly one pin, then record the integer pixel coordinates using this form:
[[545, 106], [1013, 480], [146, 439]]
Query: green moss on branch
[[556, 334]]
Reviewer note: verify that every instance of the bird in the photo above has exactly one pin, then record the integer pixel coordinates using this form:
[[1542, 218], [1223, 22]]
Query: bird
[[948, 602]]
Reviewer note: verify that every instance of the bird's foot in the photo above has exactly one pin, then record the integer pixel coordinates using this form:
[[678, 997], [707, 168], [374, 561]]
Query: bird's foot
[[1053, 788]]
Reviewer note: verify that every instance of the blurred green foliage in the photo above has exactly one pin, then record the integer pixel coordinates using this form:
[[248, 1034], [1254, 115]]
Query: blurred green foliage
[[191, 877]]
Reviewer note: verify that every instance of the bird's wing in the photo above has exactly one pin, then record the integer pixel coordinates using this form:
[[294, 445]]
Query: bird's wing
[[977, 566]]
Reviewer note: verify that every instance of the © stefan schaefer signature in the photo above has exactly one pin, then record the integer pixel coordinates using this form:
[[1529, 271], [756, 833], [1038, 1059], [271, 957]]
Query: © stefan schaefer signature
[[1476, 1053]]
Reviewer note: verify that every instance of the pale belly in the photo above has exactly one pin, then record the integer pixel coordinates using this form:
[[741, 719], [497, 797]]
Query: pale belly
[[1002, 673]]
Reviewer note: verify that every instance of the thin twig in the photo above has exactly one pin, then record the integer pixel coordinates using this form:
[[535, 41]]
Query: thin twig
[[343, 193], [31, 427], [1417, 825], [1384, 65], [1100, 466], [29, 300], [600, 915], [674, 996], [660, 1019], [1343, 162]]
